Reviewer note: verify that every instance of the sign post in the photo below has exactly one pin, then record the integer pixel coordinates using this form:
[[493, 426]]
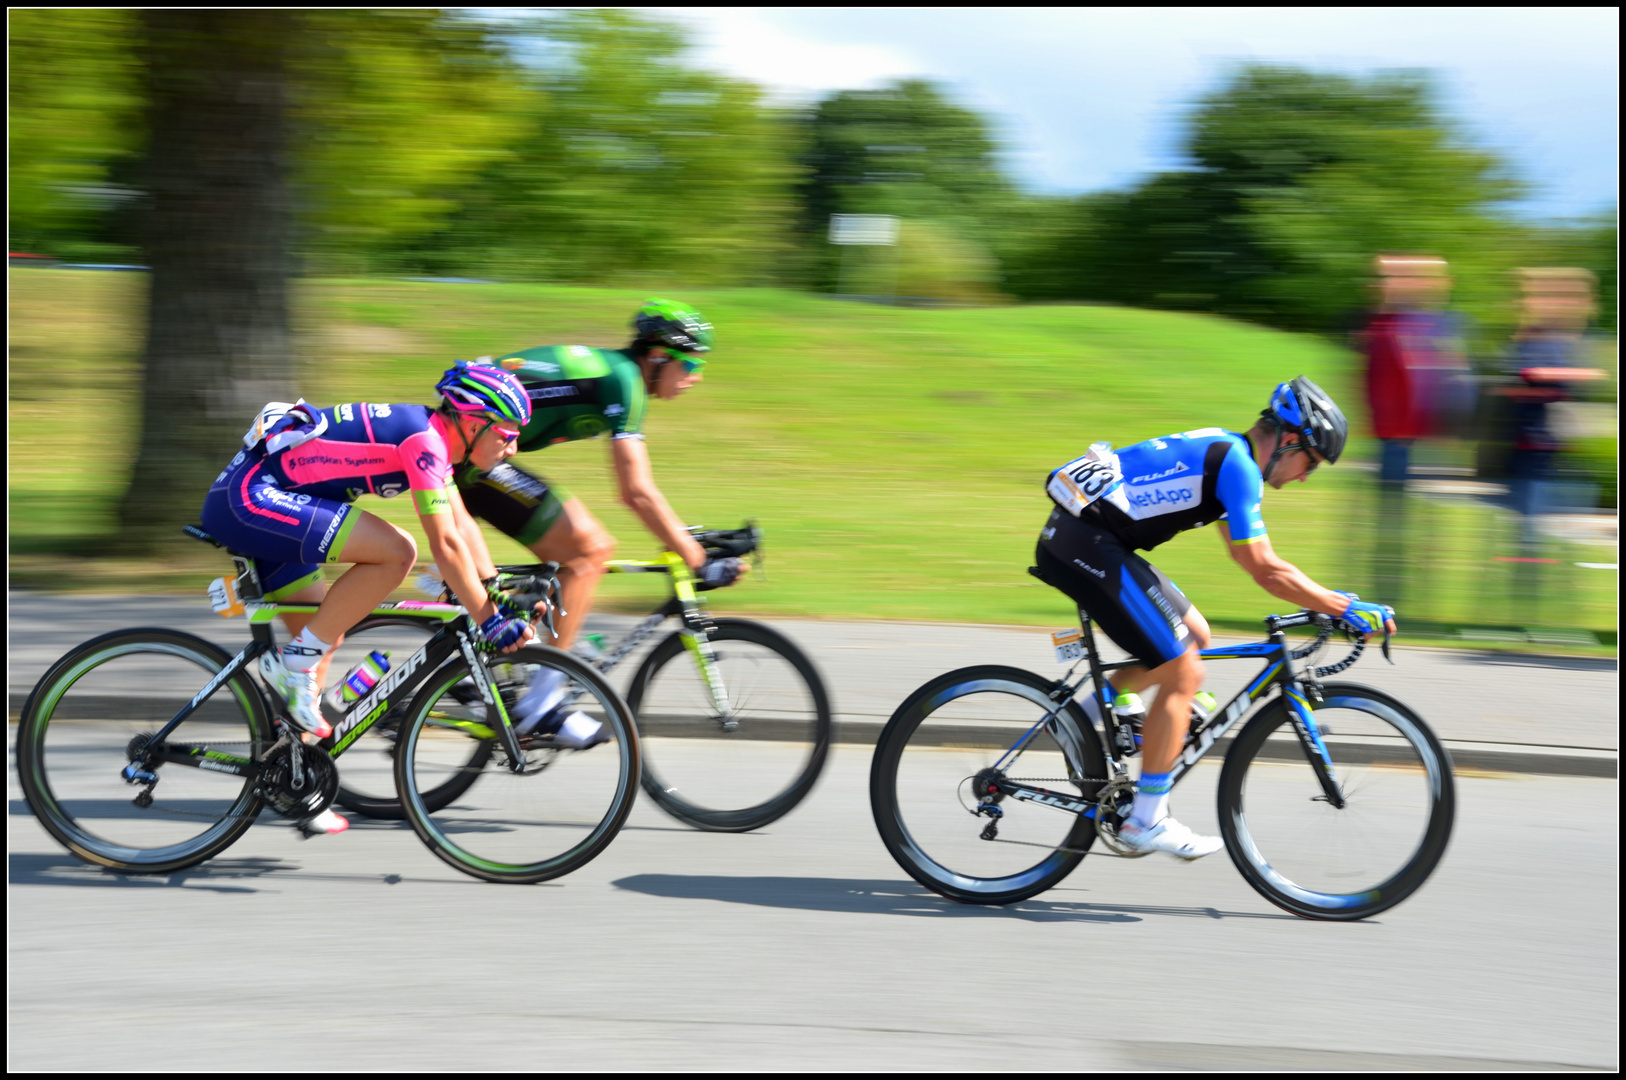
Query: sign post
[[852, 230]]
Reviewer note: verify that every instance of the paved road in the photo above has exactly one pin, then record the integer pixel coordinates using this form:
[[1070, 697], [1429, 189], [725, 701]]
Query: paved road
[[804, 945]]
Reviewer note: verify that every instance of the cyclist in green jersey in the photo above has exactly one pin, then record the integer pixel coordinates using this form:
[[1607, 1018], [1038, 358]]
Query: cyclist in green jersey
[[579, 392]]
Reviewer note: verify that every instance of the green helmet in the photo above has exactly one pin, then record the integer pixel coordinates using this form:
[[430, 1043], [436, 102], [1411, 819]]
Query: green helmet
[[677, 326]]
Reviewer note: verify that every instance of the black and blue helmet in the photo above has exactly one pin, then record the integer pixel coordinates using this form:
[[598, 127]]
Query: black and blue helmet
[[1304, 407]]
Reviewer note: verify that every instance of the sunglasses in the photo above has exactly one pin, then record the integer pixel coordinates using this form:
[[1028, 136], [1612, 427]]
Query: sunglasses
[[505, 433], [691, 363]]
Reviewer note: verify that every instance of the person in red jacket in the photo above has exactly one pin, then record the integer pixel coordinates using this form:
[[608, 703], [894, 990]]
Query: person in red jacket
[[1400, 351]]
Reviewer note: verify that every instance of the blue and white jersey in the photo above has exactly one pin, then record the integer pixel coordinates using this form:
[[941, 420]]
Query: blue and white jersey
[[1178, 482]]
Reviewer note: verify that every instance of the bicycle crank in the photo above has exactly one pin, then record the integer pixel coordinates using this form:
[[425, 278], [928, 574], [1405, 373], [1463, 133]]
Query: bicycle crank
[[1116, 800]]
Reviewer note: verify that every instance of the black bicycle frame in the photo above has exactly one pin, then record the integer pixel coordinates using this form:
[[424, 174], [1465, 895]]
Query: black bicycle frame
[[1200, 740], [397, 684]]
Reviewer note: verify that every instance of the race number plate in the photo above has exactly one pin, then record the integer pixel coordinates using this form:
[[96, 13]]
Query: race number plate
[[1084, 479], [1069, 645]]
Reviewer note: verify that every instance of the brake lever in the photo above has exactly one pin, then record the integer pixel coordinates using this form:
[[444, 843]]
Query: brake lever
[[553, 605], [1387, 636]]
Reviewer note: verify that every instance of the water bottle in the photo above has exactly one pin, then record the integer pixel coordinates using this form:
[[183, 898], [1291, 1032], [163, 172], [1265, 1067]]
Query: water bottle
[[1130, 712], [1203, 705], [359, 680], [589, 647]]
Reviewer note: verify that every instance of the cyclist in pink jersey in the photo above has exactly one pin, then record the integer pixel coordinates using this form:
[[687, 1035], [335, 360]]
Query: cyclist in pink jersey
[[287, 500]]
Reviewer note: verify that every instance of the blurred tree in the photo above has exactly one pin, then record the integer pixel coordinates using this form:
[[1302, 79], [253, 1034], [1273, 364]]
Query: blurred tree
[[217, 235], [1296, 180], [905, 150], [394, 111], [629, 163], [73, 109]]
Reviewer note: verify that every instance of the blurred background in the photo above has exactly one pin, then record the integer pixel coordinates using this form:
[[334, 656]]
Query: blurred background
[[1096, 232]]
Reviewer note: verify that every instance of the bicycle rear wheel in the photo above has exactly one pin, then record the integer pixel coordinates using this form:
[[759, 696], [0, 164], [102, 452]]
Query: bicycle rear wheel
[[367, 766], [554, 814], [88, 711], [947, 732], [1321, 862], [752, 766]]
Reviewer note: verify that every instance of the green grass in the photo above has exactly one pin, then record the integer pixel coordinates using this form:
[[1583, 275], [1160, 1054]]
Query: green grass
[[895, 457]]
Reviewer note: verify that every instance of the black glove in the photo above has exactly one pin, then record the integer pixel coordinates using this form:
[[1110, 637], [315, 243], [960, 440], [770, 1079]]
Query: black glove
[[719, 573]]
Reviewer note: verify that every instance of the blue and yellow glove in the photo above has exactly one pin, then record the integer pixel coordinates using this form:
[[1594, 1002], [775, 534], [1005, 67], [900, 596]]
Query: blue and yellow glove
[[1365, 618]]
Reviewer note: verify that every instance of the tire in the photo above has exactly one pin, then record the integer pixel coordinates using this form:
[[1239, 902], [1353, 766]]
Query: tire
[[520, 828], [1301, 853], [84, 713], [941, 736], [367, 766], [770, 761]]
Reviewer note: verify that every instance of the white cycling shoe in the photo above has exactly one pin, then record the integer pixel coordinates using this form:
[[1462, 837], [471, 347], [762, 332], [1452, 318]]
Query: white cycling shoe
[[302, 691], [326, 822], [1170, 836], [541, 700]]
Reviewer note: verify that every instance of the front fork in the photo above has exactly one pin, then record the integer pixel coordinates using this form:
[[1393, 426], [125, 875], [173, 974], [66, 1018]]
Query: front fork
[[695, 638], [1315, 747], [489, 694]]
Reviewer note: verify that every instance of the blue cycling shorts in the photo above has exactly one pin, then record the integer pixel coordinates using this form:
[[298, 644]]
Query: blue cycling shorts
[[288, 534]]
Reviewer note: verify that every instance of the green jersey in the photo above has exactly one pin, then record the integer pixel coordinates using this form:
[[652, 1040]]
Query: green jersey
[[578, 392]]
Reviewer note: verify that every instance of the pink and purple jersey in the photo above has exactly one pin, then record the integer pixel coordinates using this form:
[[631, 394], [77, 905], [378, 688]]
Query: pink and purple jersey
[[368, 449]]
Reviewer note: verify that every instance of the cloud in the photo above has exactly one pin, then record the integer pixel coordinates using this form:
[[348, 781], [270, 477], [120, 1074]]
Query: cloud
[[1087, 98], [749, 44]]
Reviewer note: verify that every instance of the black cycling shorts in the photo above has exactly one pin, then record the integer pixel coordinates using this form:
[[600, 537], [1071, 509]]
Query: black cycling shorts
[[518, 504], [1131, 600]]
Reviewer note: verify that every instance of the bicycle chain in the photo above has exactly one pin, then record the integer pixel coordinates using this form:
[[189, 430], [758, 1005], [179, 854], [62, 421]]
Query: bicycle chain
[[1051, 847]]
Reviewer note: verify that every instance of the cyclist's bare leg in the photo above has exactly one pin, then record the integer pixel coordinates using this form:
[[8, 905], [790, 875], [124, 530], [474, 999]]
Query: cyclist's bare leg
[[1132, 680], [383, 556], [581, 546], [1177, 682], [297, 621]]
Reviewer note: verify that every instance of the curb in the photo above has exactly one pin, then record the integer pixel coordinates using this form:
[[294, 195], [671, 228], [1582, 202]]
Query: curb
[[861, 733]]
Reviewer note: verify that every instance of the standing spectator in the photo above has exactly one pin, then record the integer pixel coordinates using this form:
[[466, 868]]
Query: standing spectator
[[1544, 361], [1409, 341]]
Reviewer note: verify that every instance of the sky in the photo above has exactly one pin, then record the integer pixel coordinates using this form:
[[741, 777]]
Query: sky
[[1089, 99]]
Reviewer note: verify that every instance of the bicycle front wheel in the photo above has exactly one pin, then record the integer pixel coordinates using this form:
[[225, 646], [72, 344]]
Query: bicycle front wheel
[[739, 768], [525, 821], [948, 734], [367, 766], [92, 709], [1351, 862]]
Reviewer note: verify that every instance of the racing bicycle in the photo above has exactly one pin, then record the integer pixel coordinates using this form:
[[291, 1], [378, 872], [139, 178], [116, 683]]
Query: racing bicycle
[[150, 750], [732, 712], [990, 784]]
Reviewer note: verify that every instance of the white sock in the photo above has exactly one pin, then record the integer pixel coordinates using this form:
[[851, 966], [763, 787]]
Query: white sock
[[304, 652], [1151, 799]]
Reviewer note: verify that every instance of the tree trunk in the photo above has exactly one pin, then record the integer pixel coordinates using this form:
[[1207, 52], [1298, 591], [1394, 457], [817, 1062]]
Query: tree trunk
[[217, 236]]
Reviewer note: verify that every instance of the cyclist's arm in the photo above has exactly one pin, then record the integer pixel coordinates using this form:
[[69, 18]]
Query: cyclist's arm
[[638, 491], [1280, 578], [469, 530], [459, 562]]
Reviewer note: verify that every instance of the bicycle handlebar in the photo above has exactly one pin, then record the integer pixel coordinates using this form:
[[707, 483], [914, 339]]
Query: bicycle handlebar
[[724, 543], [533, 584], [1325, 625]]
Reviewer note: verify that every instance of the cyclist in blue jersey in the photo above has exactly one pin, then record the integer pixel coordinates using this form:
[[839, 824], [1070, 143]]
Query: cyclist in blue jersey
[[287, 499], [1111, 504]]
